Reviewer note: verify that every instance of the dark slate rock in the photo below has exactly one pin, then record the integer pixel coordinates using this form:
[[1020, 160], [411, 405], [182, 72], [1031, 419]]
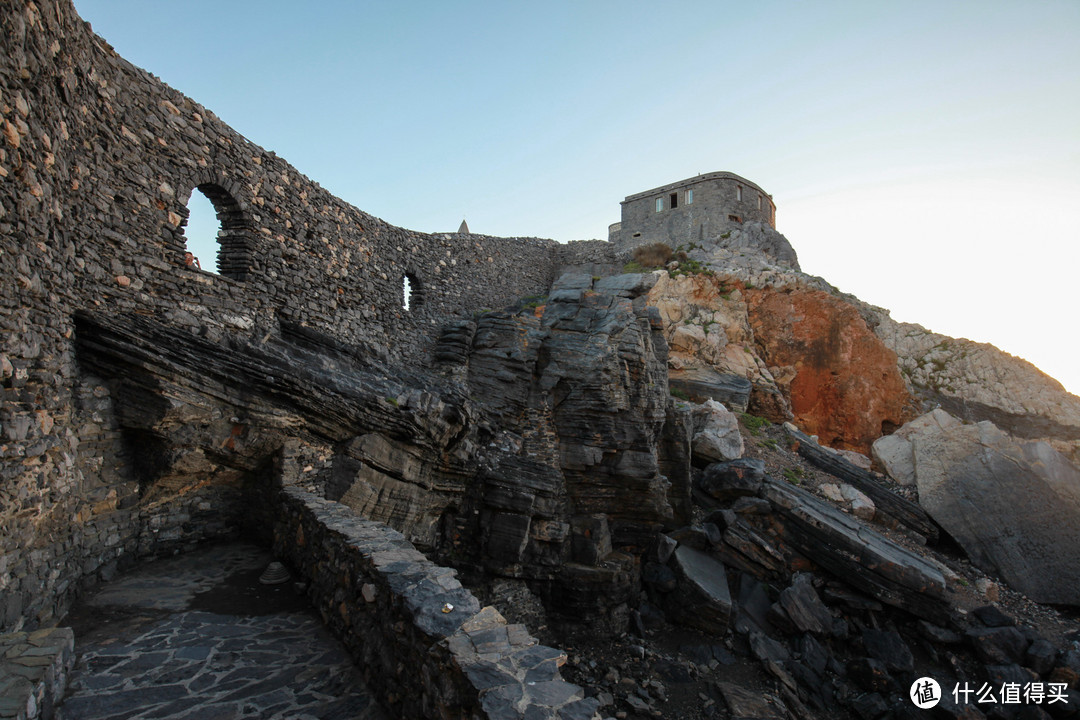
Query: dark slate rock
[[590, 539], [722, 519], [998, 674], [812, 653], [1071, 659], [691, 536], [704, 654], [803, 606], [754, 605], [702, 599], [870, 706], [937, 634], [804, 675], [870, 674], [734, 479], [664, 547], [998, 646], [765, 649], [991, 616], [702, 384], [888, 647], [658, 576], [751, 506], [851, 550], [1041, 656], [675, 672], [712, 533], [486, 675]]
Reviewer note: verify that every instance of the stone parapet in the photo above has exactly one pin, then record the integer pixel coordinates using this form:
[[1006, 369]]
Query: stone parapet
[[34, 671], [421, 639]]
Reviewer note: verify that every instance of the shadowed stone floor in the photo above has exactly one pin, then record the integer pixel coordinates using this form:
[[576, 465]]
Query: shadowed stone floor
[[196, 637]]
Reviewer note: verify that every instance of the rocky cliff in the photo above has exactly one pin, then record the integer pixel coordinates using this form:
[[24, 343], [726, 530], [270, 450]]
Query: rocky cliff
[[843, 367]]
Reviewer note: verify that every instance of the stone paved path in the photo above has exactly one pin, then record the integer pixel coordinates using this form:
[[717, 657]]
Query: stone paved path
[[196, 637]]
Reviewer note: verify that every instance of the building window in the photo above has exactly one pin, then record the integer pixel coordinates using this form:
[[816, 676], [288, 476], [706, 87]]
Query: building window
[[659, 204], [690, 196], [734, 218], [674, 199], [758, 202], [738, 193]]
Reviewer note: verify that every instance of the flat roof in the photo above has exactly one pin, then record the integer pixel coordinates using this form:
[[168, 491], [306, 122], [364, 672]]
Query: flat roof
[[719, 175]]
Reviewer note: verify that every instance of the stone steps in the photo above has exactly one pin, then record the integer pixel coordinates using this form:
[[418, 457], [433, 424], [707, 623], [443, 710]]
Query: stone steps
[[34, 669]]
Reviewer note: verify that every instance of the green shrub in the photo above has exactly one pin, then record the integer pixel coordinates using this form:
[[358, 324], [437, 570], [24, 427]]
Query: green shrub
[[755, 423]]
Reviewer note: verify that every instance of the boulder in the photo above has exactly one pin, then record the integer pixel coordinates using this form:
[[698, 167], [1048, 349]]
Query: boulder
[[804, 608], [895, 454], [889, 648], [1013, 506], [702, 600], [862, 507], [716, 434], [729, 480]]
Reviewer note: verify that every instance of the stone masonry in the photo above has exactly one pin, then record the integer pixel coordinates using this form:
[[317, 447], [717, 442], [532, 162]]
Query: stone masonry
[[694, 210], [34, 671], [421, 639], [98, 159]]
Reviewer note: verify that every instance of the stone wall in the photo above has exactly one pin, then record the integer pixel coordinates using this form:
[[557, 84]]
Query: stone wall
[[720, 200], [421, 639], [98, 159]]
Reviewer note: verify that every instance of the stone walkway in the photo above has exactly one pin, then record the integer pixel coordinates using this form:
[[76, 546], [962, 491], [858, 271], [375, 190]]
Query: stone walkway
[[196, 637]]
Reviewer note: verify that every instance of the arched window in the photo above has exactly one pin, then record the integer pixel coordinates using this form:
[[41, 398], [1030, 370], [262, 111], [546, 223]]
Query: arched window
[[200, 233], [412, 291], [217, 231]]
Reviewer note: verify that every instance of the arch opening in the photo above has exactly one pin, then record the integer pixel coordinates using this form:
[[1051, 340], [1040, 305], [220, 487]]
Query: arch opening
[[412, 291], [201, 233], [216, 232]]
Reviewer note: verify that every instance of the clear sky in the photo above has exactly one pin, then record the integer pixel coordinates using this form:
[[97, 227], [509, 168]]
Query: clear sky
[[924, 156]]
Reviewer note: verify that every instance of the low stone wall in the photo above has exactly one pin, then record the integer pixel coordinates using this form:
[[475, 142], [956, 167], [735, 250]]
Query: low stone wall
[[421, 639], [34, 671]]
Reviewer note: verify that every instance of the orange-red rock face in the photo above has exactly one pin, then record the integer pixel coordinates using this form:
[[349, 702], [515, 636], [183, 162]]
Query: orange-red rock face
[[843, 383]]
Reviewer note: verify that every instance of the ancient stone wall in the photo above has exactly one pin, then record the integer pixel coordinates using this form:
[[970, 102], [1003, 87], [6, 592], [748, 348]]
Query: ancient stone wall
[[691, 211], [98, 159], [422, 640]]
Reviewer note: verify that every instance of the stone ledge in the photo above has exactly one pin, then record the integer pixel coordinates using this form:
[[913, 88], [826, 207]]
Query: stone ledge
[[419, 637], [34, 669]]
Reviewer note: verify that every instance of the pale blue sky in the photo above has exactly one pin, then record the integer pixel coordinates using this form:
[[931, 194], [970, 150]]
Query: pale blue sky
[[924, 156]]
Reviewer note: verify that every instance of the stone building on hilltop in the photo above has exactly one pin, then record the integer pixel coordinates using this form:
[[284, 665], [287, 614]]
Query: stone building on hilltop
[[692, 210]]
